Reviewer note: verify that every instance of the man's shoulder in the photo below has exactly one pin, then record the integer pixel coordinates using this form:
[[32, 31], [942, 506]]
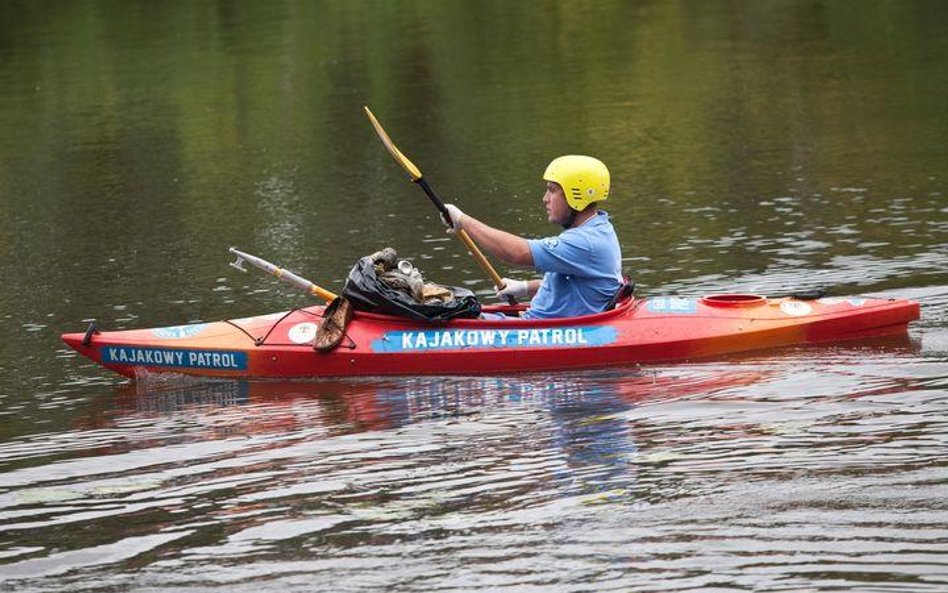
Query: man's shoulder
[[549, 242], [564, 242], [586, 238], [601, 218], [575, 237], [595, 228]]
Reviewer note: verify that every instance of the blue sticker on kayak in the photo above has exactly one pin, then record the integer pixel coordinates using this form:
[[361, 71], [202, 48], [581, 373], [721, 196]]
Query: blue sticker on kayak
[[179, 331], [675, 305], [460, 339], [175, 358]]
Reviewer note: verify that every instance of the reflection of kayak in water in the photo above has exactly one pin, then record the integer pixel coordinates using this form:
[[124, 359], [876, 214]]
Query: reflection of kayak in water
[[637, 330], [570, 430], [371, 403], [220, 409]]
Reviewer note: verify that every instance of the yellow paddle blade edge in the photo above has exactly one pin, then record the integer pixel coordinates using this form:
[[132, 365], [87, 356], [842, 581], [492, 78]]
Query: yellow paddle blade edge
[[392, 149]]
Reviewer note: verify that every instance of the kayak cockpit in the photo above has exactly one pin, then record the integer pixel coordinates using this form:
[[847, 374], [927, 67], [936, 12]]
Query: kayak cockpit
[[512, 312]]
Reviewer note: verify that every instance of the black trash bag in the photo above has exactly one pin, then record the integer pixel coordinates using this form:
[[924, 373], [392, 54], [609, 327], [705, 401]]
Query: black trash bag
[[367, 292]]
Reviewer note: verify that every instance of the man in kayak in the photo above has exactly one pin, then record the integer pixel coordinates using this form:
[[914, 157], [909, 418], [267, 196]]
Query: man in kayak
[[582, 266]]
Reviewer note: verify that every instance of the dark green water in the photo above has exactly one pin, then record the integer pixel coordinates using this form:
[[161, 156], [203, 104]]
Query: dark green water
[[754, 146]]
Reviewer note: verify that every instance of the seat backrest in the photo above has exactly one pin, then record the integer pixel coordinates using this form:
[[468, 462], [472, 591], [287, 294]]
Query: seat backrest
[[623, 292]]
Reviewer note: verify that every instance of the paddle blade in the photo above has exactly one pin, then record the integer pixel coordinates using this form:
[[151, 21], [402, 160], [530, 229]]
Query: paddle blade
[[402, 159]]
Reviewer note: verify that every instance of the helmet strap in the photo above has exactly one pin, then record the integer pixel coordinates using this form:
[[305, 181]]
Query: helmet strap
[[571, 219]]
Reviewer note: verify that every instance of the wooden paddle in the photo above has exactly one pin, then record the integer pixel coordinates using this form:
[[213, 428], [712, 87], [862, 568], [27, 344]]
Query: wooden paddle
[[416, 176]]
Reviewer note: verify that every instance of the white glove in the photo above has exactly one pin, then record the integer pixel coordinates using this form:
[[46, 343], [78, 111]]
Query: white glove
[[518, 289], [455, 215]]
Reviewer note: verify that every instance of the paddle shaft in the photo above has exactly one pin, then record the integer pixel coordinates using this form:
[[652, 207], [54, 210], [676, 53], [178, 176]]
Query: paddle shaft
[[468, 242], [416, 176]]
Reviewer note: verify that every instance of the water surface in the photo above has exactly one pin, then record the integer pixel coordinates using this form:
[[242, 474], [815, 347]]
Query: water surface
[[754, 146]]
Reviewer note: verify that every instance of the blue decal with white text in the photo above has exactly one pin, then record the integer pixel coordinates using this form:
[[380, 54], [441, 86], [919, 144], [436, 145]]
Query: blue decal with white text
[[459, 339], [179, 331], [175, 358], [675, 305]]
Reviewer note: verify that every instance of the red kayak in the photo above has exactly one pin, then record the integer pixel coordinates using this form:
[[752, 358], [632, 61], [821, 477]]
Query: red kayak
[[279, 345]]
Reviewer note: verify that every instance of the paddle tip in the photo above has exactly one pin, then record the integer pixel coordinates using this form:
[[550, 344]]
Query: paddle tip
[[401, 159]]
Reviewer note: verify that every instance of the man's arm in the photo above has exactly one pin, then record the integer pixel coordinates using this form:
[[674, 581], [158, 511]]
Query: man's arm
[[506, 246], [533, 286]]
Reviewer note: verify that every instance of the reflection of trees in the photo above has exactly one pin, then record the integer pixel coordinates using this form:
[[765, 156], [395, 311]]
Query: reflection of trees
[[171, 122]]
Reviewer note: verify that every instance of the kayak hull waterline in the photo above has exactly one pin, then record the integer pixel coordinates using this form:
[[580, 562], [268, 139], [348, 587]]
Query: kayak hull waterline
[[661, 329]]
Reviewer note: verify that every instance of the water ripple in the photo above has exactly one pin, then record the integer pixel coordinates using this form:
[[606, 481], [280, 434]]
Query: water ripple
[[693, 476]]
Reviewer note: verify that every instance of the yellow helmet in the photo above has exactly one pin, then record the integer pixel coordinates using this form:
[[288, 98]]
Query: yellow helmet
[[584, 179]]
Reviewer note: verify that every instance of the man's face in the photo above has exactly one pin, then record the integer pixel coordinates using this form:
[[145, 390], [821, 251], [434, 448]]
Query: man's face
[[557, 209]]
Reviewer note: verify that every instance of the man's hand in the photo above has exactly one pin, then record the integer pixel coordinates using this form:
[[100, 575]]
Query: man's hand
[[453, 219], [518, 289]]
